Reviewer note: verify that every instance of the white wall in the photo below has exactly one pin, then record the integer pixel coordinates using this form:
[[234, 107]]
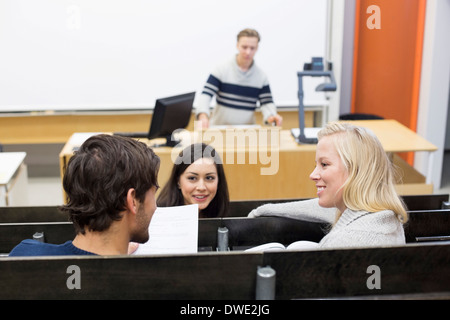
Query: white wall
[[345, 102], [447, 135], [434, 86], [336, 48], [107, 54]]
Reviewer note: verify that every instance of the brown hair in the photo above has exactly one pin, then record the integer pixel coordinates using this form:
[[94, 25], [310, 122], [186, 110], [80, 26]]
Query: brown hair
[[252, 33], [171, 195], [99, 175]]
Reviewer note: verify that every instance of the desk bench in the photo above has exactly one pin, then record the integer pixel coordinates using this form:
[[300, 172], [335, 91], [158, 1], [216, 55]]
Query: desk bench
[[243, 232], [237, 208], [399, 271]]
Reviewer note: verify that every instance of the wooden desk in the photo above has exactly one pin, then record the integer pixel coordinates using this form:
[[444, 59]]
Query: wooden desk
[[57, 127], [290, 163]]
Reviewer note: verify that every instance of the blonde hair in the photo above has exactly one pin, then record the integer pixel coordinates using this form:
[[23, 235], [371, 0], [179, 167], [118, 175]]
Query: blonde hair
[[371, 175], [252, 33]]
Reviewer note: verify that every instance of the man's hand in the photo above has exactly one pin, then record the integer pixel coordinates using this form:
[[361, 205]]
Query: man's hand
[[204, 120], [276, 118]]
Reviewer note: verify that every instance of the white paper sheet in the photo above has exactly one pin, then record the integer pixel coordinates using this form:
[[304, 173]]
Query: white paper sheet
[[309, 132], [78, 138], [172, 230]]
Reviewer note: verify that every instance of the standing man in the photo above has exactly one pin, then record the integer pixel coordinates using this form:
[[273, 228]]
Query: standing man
[[238, 85], [111, 183]]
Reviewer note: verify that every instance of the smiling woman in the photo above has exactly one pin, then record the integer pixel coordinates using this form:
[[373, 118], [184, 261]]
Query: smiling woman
[[197, 177], [329, 175], [198, 183], [355, 189]]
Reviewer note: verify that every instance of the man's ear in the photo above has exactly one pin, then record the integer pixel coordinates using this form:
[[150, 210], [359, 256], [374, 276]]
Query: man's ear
[[131, 200]]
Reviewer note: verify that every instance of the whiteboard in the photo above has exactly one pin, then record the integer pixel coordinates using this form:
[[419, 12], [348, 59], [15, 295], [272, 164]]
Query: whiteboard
[[125, 54]]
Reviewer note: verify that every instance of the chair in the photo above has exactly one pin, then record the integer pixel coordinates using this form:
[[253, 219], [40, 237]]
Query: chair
[[359, 116]]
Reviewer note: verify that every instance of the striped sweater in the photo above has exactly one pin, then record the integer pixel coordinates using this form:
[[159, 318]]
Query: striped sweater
[[237, 94]]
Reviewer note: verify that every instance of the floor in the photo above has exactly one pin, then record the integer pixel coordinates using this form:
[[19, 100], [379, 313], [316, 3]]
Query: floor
[[48, 191]]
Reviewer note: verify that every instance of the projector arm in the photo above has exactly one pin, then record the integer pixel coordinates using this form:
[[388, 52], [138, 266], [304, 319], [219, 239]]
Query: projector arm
[[327, 86]]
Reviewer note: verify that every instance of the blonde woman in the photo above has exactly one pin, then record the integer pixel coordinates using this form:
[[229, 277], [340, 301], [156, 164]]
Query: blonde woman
[[355, 191]]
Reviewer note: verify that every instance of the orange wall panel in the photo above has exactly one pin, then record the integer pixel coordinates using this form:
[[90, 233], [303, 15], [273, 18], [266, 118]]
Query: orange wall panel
[[387, 61]]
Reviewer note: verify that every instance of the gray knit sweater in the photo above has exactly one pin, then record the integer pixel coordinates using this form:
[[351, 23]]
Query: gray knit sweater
[[353, 229]]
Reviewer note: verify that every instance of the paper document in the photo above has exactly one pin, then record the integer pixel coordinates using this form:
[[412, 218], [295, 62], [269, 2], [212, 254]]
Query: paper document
[[172, 230], [235, 126], [78, 138], [295, 246], [309, 132]]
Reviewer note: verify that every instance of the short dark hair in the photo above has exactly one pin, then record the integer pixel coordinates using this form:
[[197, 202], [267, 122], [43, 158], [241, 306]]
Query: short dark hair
[[171, 195], [99, 175]]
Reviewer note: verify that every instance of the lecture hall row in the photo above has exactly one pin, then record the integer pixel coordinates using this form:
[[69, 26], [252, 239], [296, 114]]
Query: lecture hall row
[[332, 273]]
